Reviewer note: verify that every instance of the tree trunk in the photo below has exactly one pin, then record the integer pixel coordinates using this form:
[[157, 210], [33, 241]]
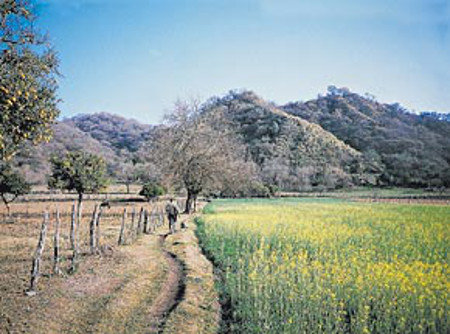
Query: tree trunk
[[195, 203], [56, 258], [189, 199], [37, 257], [127, 184], [92, 230], [122, 228], [8, 209]]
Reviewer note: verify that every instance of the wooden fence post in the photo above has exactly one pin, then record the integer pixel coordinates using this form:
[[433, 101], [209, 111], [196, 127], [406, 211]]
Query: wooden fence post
[[76, 238], [122, 228], [161, 219], [141, 217], [92, 229], [72, 227], [97, 227], [37, 257], [131, 230], [80, 216], [56, 258], [145, 222], [152, 220]]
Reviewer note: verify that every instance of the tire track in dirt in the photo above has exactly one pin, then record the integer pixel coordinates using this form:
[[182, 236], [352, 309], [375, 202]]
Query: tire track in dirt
[[172, 291]]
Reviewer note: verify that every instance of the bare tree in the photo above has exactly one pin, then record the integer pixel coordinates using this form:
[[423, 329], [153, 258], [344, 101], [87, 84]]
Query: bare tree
[[196, 148]]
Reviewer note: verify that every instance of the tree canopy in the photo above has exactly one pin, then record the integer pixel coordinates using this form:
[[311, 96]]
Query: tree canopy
[[28, 72], [151, 190], [197, 149], [12, 185], [78, 171]]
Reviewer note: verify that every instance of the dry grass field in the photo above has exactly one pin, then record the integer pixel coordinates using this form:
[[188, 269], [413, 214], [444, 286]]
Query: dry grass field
[[124, 289]]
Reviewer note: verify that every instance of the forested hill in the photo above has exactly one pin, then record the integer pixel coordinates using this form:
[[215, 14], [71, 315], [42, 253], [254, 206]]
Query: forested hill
[[291, 152], [335, 140], [410, 149], [115, 132], [113, 137]]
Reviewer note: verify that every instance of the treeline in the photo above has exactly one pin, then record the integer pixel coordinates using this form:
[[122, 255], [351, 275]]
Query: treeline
[[338, 140]]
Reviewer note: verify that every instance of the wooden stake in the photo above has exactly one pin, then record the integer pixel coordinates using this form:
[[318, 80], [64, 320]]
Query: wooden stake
[[72, 227], [75, 251], [122, 228], [145, 222], [97, 228], [92, 232], [153, 220], [161, 219], [141, 217], [37, 257], [56, 259], [131, 230]]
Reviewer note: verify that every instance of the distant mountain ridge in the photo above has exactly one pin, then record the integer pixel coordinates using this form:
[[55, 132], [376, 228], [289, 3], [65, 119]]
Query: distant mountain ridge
[[335, 140]]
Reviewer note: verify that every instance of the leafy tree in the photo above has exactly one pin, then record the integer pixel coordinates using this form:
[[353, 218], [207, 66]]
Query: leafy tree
[[151, 190], [28, 72], [78, 171], [12, 185]]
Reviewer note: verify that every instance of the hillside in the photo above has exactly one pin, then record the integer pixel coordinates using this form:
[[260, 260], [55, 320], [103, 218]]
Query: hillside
[[115, 132], [113, 137], [332, 141], [292, 153], [408, 149]]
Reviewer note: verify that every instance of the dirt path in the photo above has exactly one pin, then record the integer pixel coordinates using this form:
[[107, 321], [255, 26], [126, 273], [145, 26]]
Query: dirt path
[[199, 309], [171, 293]]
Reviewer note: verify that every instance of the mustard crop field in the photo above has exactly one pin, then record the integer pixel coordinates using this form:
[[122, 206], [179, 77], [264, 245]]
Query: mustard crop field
[[330, 266]]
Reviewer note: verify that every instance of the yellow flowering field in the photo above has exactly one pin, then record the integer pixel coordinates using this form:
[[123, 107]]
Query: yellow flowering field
[[330, 266]]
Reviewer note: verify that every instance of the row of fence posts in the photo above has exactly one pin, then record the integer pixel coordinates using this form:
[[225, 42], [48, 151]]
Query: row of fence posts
[[147, 223]]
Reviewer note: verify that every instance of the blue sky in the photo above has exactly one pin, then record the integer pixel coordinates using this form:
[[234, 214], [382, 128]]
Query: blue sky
[[136, 57]]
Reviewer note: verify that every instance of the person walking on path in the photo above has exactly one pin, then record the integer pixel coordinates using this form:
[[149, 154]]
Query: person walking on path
[[172, 212]]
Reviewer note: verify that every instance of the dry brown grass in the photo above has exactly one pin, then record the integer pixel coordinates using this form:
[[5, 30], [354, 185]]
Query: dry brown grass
[[121, 278], [109, 293]]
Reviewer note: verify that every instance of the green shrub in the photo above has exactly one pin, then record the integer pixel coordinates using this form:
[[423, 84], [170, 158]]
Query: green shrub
[[152, 190]]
